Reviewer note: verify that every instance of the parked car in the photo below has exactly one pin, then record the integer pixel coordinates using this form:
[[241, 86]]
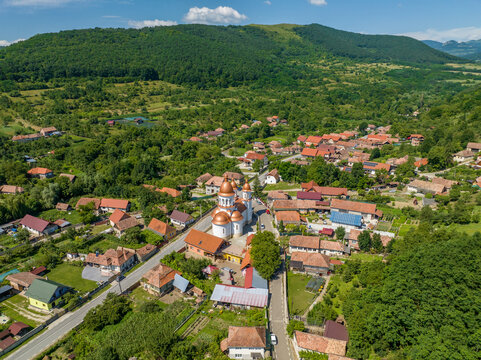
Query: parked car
[[273, 339], [263, 226]]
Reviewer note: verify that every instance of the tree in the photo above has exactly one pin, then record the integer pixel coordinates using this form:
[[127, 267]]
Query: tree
[[132, 236], [376, 154], [186, 196], [294, 325], [281, 227], [22, 235], [377, 243], [364, 240], [340, 233], [257, 188], [266, 254], [257, 165]]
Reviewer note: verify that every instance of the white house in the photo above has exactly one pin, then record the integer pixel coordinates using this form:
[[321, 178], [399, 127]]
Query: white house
[[245, 342], [273, 177]]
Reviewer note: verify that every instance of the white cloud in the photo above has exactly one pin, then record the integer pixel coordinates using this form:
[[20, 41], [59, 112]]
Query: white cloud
[[267, 2], [151, 23], [219, 15], [458, 34], [37, 3], [318, 2], [6, 43]]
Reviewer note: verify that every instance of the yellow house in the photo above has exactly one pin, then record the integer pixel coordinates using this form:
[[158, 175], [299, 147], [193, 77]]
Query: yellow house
[[45, 294], [233, 253]]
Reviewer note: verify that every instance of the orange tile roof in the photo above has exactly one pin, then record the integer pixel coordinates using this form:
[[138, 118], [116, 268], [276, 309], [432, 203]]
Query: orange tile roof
[[160, 227], [247, 337], [11, 189], [246, 261], [160, 275], [117, 216], [320, 344], [39, 171], [290, 216], [206, 242], [86, 201], [114, 203], [169, 191], [314, 139], [353, 206], [311, 259], [422, 162]]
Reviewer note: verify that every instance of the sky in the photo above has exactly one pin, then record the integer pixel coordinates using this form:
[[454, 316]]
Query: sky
[[439, 20]]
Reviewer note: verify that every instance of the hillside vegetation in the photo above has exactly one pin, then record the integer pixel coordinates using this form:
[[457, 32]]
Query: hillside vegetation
[[200, 54]]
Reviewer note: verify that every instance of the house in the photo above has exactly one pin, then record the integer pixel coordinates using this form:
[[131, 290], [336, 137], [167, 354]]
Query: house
[[334, 330], [45, 294], [169, 191], [5, 343], [327, 191], [311, 263], [370, 167], [11, 189], [276, 195], [300, 243], [48, 131], [250, 157], [180, 218], [301, 139], [18, 329], [159, 280], [161, 228], [37, 226], [319, 344], [70, 177], [273, 177], [289, 217], [425, 187], [63, 207], [212, 186], [416, 139], [22, 280], [117, 216], [313, 140], [233, 253], [204, 244], [239, 296], [237, 177], [448, 184], [369, 212], [116, 261], [302, 206], [146, 252], [309, 185], [254, 280], [201, 180], [121, 221], [474, 147], [109, 205], [463, 155], [304, 195], [420, 163], [86, 201], [25, 138], [345, 219], [41, 173], [245, 342]]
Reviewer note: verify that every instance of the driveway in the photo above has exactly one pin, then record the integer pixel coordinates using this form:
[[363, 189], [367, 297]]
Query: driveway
[[94, 274]]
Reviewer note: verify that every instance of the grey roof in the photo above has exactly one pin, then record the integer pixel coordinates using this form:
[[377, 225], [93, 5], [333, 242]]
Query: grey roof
[[240, 296], [4, 289], [180, 283], [258, 281], [180, 216]]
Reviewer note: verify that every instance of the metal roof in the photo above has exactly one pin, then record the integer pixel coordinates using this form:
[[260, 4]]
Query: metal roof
[[240, 296], [180, 283], [254, 280], [346, 219]]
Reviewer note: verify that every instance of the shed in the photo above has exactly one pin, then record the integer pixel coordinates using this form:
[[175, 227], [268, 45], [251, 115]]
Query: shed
[[180, 283]]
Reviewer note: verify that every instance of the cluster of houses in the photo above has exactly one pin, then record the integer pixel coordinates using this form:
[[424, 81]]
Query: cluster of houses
[[13, 333], [45, 132]]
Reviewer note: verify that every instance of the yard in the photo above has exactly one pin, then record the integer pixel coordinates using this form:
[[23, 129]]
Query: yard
[[72, 216], [103, 245], [98, 229], [405, 229], [16, 308], [71, 275], [299, 299], [282, 186]]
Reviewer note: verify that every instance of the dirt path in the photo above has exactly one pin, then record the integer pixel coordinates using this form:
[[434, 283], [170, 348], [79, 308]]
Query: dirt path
[[26, 313], [319, 298]]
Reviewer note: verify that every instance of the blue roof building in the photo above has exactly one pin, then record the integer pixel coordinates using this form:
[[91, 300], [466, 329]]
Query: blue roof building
[[346, 219], [180, 283]]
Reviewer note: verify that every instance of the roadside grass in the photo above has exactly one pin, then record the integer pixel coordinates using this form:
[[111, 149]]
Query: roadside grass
[[71, 275], [299, 299], [282, 186]]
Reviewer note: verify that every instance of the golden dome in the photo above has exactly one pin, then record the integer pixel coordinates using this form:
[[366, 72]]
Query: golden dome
[[246, 187], [236, 216], [216, 211], [226, 188], [221, 218], [234, 185]]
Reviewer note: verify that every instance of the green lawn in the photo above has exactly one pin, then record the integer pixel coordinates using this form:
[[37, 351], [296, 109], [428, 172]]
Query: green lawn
[[70, 275], [299, 299], [10, 129], [405, 229], [282, 186], [98, 229], [103, 245], [151, 237], [365, 257], [71, 216], [15, 315], [469, 229], [140, 296]]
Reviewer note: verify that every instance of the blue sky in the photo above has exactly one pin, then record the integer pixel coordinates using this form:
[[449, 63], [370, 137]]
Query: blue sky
[[423, 19]]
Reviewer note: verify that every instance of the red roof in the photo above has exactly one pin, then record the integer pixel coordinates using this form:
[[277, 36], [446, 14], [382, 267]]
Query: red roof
[[254, 156], [422, 162], [326, 231], [34, 223], [86, 201], [114, 203], [117, 216], [353, 206], [160, 227], [39, 171], [16, 327], [309, 152], [249, 239], [6, 342], [208, 243], [169, 191], [301, 138], [38, 270], [314, 139]]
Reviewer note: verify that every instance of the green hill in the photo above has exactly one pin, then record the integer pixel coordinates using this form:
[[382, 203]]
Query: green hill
[[200, 54]]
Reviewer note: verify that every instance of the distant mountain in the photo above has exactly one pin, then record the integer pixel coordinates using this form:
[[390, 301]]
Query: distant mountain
[[469, 49], [201, 54]]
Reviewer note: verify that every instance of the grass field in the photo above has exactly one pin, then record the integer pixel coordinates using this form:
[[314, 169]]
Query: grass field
[[10, 129], [282, 186], [365, 257], [299, 298], [103, 245], [469, 229], [405, 229], [98, 229], [72, 216], [70, 275], [7, 307]]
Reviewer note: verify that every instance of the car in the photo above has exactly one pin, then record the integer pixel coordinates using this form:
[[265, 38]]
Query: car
[[263, 226], [227, 269], [273, 339]]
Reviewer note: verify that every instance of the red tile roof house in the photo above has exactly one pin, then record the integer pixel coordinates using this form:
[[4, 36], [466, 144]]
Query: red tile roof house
[[11, 189], [289, 217], [37, 226], [416, 139], [212, 186], [327, 191], [311, 263], [201, 180], [116, 261], [146, 252], [41, 173], [204, 244], [6, 342], [313, 140], [159, 280], [180, 218], [251, 156], [315, 244], [62, 207], [48, 131], [109, 205], [86, 201], [18, 329], [369, 212], [121, 222], [319, 344], [162, 229], [245, 342]]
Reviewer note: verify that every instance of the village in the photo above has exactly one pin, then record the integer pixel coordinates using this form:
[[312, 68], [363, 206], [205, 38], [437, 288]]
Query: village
[[211, 224]]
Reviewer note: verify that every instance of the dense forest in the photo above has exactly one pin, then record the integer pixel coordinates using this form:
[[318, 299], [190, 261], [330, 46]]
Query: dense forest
[[201, 55]]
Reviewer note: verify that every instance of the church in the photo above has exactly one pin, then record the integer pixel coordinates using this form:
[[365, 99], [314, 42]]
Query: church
[[232, 212]]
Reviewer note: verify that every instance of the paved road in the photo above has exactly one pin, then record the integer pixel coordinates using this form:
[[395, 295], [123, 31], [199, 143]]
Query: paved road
[[62, 326]]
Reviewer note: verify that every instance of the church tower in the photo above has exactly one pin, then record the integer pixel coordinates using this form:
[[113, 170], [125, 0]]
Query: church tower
[[247, 199]]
